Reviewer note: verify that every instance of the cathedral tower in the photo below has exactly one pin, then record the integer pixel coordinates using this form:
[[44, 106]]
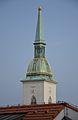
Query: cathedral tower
[[39, 86]]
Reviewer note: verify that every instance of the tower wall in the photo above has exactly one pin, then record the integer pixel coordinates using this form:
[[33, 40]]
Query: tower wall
[[49, 92], [41, 90], [33, 88]]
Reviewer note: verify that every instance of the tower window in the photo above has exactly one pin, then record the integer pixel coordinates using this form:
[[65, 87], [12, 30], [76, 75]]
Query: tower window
[[50, 100], [34, 67], [33, 100]]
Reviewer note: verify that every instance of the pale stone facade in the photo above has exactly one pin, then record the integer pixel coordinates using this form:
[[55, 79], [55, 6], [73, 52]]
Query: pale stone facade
[[43, 91]]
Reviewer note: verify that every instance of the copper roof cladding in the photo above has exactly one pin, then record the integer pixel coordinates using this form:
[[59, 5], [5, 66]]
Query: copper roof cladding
[[34, 112], [39, 68]]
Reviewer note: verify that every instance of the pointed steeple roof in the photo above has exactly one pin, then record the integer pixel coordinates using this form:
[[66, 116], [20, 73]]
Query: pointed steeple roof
[[39, 33], [38, 68]]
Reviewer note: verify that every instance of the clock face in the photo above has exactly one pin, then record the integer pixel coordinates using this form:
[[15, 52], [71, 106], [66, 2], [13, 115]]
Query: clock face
[[39, 50]]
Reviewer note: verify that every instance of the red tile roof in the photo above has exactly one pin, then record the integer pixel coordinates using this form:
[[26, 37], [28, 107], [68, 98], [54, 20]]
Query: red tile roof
[[36, 112]]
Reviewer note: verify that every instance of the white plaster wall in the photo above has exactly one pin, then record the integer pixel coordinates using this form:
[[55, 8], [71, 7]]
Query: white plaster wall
[[42, 91], [38, 87], [49, 90]]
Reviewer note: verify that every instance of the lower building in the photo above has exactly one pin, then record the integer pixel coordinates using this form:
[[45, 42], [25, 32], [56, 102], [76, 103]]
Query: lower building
[[55, 111]]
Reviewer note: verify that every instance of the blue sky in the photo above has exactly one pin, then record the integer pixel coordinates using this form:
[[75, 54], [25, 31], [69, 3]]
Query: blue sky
[[18, 20]]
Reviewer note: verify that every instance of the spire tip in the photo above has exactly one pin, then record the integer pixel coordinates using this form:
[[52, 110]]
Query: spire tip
[[40, 8]]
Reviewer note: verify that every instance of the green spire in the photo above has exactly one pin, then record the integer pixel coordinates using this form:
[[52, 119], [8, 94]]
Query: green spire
[[39, 34], [39, 69]]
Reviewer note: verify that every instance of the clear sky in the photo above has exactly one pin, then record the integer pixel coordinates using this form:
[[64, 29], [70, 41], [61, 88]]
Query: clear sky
[[18, 20]]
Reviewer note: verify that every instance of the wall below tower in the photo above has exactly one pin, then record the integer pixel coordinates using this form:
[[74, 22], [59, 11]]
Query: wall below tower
[[49, 92], [33, 88], [43, 91]]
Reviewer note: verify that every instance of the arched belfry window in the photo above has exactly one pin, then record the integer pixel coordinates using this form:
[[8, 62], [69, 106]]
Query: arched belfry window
[[33, 100], [50, 100]]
